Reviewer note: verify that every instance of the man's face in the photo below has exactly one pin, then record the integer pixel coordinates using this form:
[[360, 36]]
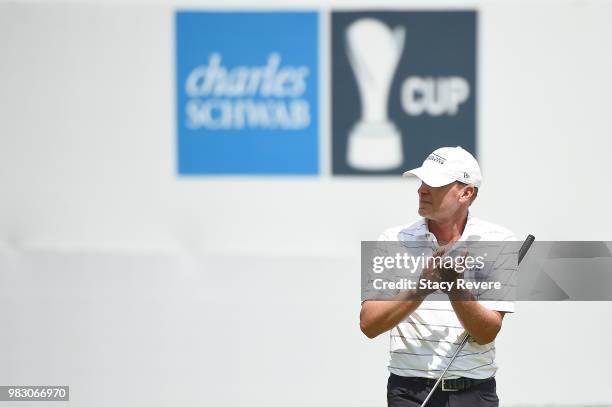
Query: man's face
[[439, 203]]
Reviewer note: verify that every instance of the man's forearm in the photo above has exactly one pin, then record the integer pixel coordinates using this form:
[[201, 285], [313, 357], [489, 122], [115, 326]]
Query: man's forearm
[[481, 323], [377, 317]]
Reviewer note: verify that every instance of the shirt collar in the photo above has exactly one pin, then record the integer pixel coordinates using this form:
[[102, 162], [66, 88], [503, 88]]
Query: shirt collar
[[468, 232]]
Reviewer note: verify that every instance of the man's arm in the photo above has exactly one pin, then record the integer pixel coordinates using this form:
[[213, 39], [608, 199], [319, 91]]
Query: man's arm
[[377, 317], [481, 323]]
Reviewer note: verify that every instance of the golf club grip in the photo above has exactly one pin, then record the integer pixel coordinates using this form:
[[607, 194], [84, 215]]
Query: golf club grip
[[525, 247]]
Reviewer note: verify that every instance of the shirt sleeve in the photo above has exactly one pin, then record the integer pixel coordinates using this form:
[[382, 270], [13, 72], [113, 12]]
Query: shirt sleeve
[[369, 292], [502, 306]]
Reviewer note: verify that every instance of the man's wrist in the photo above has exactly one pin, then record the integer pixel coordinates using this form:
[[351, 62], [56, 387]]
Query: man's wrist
[[460, 294], [416, 294]]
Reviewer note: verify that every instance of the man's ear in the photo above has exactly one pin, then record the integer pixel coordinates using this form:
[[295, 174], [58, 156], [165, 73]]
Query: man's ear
[[467, 192]]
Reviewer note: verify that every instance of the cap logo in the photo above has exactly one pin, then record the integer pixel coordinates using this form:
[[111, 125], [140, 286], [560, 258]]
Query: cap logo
[[466, 175], [436, 158]]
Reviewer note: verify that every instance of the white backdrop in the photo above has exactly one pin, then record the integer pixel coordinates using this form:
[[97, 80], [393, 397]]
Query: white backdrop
[[111, 265]]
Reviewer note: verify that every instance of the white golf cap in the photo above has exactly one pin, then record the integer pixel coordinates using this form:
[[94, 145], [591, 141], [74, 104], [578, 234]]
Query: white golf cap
[[446, 165]]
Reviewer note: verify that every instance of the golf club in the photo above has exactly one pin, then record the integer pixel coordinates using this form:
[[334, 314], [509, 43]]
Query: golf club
[[521, 254]]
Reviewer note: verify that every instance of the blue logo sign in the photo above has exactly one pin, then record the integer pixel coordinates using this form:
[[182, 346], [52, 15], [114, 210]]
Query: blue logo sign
[[247, 90]]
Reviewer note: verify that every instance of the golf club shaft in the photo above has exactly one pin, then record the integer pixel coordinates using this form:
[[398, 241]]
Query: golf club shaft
[[461, 345]]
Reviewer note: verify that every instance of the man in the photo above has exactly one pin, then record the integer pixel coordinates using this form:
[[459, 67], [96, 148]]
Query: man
[[424, 334]]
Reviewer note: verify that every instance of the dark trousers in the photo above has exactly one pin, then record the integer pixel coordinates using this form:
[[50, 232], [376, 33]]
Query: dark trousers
[[411, 391]]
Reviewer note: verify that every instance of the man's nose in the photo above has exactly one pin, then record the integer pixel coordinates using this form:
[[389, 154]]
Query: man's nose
[[423, 189]]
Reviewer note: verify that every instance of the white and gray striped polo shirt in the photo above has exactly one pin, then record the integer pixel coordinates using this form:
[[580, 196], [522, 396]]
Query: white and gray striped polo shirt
[[423, 343]]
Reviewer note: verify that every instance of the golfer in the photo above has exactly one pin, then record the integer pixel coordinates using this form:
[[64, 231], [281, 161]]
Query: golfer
[[424, 334]]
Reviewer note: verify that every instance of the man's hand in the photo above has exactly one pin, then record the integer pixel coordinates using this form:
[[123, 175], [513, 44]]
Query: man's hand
[[430, 273], [450, 274], [439, 274]]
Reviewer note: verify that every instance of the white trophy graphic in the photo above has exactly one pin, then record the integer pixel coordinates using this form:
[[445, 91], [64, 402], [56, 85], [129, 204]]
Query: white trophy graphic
[[374, 51]]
